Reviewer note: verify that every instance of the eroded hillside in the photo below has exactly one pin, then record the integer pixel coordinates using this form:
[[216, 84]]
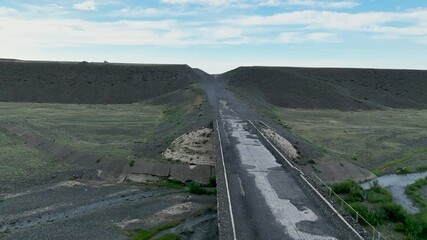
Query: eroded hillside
[[324, 88], [94, 83]]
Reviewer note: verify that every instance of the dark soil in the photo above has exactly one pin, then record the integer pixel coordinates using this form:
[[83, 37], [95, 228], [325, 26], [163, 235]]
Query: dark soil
[[95, 83], [327, 88]]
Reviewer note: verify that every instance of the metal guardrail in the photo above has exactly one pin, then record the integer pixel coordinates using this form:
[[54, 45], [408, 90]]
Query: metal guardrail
[[372, 231], [304, 177]]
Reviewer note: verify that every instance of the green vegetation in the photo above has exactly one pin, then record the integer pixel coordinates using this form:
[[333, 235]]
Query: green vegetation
[[20, 163], [353, 192], [169, 236], [145, 234], [377, 194], [109, 130], [379, 210], [195, 188], [374, 139], [417, 192], [171, 184], [116, 130], [414, 192], [212, 181]]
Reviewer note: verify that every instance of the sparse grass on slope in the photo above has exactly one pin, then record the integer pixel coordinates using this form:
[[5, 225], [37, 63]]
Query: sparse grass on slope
[[119, 131], [20, 163], [382, 141], [108, 130]]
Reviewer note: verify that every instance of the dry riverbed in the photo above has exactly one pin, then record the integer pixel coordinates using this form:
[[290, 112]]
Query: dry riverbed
[[96, 209]]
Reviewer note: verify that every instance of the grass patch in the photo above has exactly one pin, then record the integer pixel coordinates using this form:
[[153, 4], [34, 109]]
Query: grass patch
[[146, 234], [170, 184], [120, 131], [379, 138], [195, 188], [374, 216], [20, 163], [351, 189], [379, 210], [378, 194], [414, 192]]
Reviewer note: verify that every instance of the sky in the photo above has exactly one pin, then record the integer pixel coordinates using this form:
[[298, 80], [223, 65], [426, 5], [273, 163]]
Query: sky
[[219, 35]]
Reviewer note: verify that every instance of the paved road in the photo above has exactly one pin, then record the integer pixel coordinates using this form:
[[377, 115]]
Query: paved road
[[269, 200]]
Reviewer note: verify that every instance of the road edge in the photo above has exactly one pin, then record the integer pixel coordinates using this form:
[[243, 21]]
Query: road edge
[[230, 208], [302, 175]]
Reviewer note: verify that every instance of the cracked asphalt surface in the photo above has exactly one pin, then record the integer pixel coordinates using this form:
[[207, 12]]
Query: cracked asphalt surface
[[269, 200]]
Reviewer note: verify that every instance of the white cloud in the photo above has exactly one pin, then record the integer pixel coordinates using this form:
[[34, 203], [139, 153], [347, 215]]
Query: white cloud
[[269, 3], [6, 11], [139, 12], [201, 2], [58, 33], [299, 37], [324, 4], [86, 6], [411, 23], [222, 33]]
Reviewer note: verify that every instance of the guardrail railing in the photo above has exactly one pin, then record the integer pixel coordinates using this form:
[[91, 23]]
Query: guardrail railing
[[370, 230]]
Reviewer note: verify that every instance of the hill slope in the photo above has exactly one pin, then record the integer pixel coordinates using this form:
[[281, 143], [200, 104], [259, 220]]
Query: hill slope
[[324, 88], [95, 83]]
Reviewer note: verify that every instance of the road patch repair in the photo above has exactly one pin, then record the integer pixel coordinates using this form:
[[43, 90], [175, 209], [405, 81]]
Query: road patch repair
[[111, 168], [260, 164]]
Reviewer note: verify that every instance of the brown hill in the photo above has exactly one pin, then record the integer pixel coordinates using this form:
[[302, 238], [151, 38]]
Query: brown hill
[[98, 83], [328, 88]]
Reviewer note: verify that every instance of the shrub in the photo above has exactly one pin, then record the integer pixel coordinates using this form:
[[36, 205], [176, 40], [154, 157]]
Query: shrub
[[195, 188], [344, 187], [378, 194], [413, 191], [373, 216], [411, 226], [394, 212], [355, 195], [351, 188], [212, 181]]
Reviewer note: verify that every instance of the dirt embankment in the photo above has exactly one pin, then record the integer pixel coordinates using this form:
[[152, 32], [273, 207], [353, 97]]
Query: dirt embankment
[[195, 147], [284, 145], [111, 168], [327, 88], [95, 83], [330, 171]]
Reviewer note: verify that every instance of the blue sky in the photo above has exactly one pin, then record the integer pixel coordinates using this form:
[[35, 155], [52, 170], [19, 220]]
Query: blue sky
[[220, 35]]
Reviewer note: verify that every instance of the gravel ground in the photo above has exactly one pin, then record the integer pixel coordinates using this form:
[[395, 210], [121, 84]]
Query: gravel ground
[[94, 210]]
